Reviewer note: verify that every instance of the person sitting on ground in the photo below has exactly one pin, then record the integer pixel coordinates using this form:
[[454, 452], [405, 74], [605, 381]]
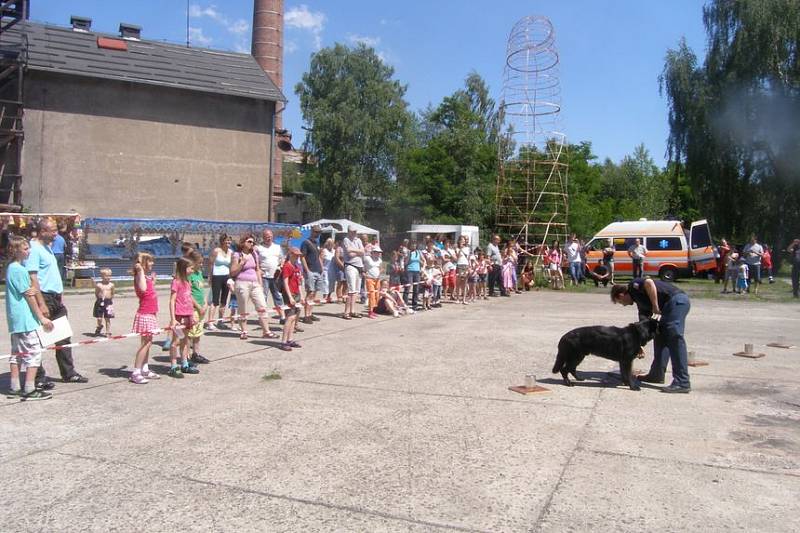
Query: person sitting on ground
[[599, 275], [390, 301], [528, 276]]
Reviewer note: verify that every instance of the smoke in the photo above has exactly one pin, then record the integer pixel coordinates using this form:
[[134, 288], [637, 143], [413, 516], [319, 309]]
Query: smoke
[[765, 123]]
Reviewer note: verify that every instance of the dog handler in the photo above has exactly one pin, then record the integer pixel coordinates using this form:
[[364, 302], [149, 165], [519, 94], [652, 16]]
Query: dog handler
[[665, 299]]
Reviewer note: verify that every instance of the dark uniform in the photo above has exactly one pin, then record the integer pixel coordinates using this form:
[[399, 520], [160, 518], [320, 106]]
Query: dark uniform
[[669, 344]]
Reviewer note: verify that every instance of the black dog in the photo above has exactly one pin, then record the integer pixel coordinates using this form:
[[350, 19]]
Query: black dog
[[617, 344]]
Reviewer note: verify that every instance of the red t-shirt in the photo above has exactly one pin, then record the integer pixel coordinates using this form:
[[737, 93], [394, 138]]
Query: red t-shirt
[[291, 272], [766, 260]]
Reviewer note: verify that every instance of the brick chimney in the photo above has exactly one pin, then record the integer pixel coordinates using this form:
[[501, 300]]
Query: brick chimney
[[267, 49]]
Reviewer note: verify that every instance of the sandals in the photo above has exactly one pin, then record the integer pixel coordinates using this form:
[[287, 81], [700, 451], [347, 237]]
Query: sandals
[[269, 335], [285, 346], [347, 317], [243, 336], [357, 315]]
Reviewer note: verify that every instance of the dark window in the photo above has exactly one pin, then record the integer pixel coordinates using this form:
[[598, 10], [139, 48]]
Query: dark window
[[623, 244], [701, 237], [664, 243]]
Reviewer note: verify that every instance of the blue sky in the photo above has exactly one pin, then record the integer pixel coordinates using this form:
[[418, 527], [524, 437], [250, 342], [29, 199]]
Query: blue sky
[[612, 51]]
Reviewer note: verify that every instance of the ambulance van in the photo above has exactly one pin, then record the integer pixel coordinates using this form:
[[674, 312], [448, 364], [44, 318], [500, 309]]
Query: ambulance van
[[672, 251]]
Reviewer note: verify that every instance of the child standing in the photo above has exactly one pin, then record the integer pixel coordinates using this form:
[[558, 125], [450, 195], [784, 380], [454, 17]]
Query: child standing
[[24, 317], [291, 279], [144, 321], [104, 302], [743, 275], [181, 311], [372, 274], [438, 278], [199, 302], [483, 270]]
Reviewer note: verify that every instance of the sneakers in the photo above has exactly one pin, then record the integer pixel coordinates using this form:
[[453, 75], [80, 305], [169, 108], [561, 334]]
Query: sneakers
[[138, 379], [199, 359], [294, 344], [11, 393], [372, 315], [285, 346], [36, 395], [211, 327], [189, 369], [150, 375], [98, 330], [175, 372], [315, 318], [307, 320], [677, 389]]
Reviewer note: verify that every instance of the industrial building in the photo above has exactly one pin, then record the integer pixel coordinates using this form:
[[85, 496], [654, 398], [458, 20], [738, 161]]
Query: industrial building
[[120, 126]]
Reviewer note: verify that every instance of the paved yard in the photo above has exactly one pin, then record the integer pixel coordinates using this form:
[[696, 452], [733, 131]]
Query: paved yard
[[407, 425]]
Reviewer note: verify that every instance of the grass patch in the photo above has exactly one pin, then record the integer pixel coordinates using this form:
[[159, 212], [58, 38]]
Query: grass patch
[[778, 292], [272, 376]]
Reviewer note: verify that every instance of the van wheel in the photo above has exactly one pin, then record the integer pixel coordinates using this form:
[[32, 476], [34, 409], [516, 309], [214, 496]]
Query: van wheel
[[668, 274]]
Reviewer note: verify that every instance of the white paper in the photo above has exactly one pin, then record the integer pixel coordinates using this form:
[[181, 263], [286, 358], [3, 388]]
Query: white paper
[[61, 330]]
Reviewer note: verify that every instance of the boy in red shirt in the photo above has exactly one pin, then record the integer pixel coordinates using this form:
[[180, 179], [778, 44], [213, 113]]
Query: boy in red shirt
[[291, 280]]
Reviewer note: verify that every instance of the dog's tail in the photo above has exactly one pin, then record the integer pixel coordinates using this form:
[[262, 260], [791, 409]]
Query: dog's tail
[[559, 363]]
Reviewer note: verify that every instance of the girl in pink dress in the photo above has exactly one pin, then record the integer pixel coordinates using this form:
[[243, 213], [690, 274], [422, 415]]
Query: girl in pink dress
[[144, 322]]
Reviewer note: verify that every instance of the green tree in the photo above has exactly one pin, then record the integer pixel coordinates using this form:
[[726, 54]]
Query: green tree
[[449, 175], [358, 122], [733, 119]]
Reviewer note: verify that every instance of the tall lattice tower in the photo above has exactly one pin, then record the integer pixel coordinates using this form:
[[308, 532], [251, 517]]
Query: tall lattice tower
[[531, 194]]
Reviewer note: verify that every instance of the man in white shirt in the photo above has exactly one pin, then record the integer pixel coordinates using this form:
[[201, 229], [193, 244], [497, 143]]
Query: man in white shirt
[[637, 252], [573, 251], [493, 253], [270, 258], [752, 256]]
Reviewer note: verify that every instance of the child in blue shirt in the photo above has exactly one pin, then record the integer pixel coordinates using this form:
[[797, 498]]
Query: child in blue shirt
[[24, 317]]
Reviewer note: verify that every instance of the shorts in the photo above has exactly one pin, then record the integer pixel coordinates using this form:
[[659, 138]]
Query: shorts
[[473, 278], [554, 267], [382, 308], [196, 330], [353, 275], [314, 282], [291, 311], [252, 291], [482, 278], [103, 308], [27, 349], [145, 324]]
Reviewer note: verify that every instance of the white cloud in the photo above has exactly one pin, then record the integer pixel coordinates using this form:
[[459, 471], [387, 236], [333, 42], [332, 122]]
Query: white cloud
[[236, 27], [289, 47], [371, 42], [302, 18], [197, 37]]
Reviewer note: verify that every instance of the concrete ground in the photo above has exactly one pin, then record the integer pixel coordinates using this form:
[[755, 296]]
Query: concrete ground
[[408, 424]]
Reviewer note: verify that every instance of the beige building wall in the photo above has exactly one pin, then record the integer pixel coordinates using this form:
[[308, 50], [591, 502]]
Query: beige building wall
[[115, 149]]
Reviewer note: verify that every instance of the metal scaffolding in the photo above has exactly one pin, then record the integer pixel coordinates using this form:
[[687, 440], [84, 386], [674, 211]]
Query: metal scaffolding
[[531, 194]]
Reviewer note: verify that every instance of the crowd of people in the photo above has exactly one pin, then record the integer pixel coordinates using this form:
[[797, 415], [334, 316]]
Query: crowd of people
[[237, 280]]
